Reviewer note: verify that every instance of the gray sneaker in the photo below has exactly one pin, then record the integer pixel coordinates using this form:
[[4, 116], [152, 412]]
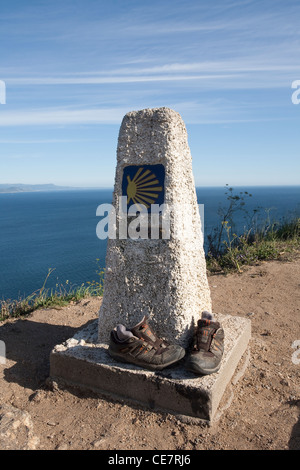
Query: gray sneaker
[[208, 347], [141, 346]]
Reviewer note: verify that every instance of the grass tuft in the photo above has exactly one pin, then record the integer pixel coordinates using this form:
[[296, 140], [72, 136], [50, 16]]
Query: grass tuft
[[46, 298], [252, 247]]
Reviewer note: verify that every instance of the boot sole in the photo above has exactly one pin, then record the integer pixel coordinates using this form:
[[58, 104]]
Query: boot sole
[[144, 365], [200, 371]]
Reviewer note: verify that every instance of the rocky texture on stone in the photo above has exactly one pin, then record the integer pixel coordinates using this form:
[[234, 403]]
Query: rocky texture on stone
[[162, 278]]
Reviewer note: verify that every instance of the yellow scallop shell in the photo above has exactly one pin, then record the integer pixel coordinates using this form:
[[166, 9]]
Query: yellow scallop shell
[[143, 188]]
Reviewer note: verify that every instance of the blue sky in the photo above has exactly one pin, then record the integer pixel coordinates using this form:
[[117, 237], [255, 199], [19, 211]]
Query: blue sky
[[73, 69]]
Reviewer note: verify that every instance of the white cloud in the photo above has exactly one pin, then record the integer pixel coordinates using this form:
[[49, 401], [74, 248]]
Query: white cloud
[[258, 72], [59, 116], [41, 141], [201, 112]]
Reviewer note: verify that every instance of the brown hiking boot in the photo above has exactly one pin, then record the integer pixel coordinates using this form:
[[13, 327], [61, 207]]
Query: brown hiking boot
[[208, 347], [140, 346]]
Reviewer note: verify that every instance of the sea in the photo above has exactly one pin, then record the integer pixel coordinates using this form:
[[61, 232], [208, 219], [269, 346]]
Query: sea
[[56, 230]]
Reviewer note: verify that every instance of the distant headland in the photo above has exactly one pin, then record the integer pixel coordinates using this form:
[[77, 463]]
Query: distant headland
[[22, 188]]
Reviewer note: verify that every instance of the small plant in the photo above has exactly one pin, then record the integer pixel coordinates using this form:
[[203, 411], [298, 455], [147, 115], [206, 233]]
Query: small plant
[[265, 241], [236, 203], [230, 247], [98, 286], [44, 298]]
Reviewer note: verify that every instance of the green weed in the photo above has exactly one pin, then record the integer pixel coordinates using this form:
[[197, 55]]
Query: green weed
[[46, 298], [267, 240]]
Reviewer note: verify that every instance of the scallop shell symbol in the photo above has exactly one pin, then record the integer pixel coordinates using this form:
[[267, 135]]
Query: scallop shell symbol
[[143, 188]]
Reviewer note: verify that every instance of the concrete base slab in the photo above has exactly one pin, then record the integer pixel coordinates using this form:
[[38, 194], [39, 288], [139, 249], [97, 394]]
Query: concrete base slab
[[84, 363]]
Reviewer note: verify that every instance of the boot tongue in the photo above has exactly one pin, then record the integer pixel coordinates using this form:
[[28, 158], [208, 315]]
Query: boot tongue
[[207, 316], [206, 329], [143, 330]]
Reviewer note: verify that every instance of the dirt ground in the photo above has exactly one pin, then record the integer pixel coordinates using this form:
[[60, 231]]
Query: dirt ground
[[262, 412]]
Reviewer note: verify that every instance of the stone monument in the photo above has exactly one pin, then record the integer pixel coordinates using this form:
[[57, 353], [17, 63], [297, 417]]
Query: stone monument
[[162, 277], [155, 266]]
